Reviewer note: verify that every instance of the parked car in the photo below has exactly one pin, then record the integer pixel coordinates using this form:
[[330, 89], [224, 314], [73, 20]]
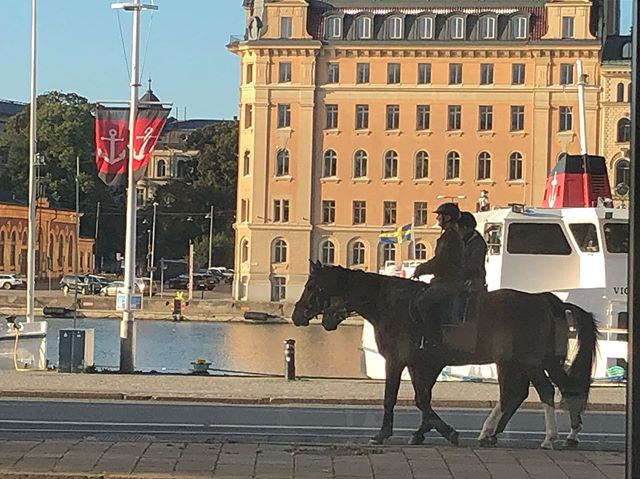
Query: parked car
[[115, 287], [225, 274], [84, 284], [200, 281], [12, 281]]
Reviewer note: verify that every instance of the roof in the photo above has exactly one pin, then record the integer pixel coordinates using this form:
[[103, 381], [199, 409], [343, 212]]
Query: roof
[[173, 124], [612, 49], [10, 108], [149, 96]]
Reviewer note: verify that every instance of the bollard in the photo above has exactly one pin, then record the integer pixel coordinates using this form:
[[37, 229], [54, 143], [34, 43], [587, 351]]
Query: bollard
[[290, 359]]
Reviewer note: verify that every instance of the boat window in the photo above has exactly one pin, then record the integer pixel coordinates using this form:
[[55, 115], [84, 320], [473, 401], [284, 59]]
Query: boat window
[[586, 236], [616, 235], [537, 238], [493, 237]]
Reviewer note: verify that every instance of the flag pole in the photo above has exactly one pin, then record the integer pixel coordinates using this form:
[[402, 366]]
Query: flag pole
[[33, 151]]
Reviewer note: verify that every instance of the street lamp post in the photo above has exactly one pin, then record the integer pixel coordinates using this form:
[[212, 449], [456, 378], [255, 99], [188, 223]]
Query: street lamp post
[[153, 248], [210, 216]]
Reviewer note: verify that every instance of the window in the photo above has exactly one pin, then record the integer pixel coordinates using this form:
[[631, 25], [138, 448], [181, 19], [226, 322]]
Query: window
[[279, 251], [537, 238], [70, 256], [493, 237], [420, 213], [285, 27], [425, 28], [424, 73], [360, 164], [244, 251], [140, 196], [328, 253], [586, 237], [624, 130], [246, 160], [363, 28], [393, 117], [284, 115], [486, 73], [456, 24], [357, 253], [517, 74], [284, 72], [422, 165], [332, 117], [626, 50], [12, 250], [566, 74], [422, 117], [388, 252], [181, 169], [161, 168], [517, 118], [567, 27], [484, 166], [620, 93], [455, 73], [281, 211], [2, 247], [421, 251], [359, 212], [566, 119], [282, 163], [389, 216], [333, 27], [362, 117], [393, 73], [454, 117], [249, 73], [520, 28], [333, 72], [394, 25], [616, 237], [329, 164], [328, 211], [60, 251], [248, 116], [515, 166], [623, 173], [362, 73], [391, 164], [487, 28], [278, 288], [453, 166], [485, 118]]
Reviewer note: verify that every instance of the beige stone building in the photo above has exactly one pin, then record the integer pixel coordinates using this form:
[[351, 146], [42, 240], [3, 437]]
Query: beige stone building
[[360, 116]]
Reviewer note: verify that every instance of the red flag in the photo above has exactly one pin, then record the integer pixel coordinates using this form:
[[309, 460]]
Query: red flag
[[112, 142]]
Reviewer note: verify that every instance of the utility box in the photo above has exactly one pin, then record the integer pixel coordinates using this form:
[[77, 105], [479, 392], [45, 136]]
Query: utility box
[[75, 350]]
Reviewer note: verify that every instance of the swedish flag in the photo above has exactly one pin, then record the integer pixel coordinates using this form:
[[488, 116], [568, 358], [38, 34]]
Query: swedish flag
[[400, 234]]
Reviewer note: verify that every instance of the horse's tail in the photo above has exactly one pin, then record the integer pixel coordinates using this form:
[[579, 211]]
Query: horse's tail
[[582, 365]]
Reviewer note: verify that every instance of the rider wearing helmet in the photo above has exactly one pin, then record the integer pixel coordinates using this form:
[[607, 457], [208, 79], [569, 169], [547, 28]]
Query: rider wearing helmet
[[474, 255], [446, 268]]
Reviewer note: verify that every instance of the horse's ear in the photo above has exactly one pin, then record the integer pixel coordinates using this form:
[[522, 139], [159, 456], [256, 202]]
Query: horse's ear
[[314, 266]]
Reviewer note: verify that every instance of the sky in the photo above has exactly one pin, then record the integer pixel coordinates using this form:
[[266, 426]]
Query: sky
[[80, 49]]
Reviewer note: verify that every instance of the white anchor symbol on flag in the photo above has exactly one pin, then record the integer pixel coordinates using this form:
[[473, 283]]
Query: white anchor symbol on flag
[[113, 140]]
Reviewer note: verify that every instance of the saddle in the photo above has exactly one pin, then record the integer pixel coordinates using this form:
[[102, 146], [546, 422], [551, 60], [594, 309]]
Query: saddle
[[460, 322]]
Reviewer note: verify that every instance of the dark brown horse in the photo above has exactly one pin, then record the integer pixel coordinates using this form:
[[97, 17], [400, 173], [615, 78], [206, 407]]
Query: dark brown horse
[[516, 330]]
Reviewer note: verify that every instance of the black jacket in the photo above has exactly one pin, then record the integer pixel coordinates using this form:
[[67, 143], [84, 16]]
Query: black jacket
[[446, 264], [473, 258]]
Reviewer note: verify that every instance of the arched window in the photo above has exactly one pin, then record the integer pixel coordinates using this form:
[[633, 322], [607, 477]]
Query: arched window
[[363, 28], [388, 252], [421, 251], [484, 166], [620, 92], [422, 165], [453, 166], [333, 28], [520, 27], [357, 253], [623, 174], [391, 164], [626, 50], [425, 28], [487, 28], [61, 251], [360, 164], [50, 254], [515, 166], [329, 164], [456, 28], [70, 256], [279, 251], [394, 24], [161, 169], [282, 163], [2, 240], [81, 261], [624, 130], [12, 249], [244, 251], [328, 253]]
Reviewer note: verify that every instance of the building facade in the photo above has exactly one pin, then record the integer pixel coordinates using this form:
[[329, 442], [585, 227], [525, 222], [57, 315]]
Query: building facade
[[360, 116], [56, 241]]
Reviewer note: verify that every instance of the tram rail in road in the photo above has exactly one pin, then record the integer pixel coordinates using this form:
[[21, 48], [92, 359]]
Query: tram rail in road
[[132, 420]]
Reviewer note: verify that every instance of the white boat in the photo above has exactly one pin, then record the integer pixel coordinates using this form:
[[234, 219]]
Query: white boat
[[30, 348]]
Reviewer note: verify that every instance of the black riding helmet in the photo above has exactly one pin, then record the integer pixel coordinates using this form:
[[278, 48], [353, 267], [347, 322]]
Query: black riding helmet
[[449, 209], [468, 220]]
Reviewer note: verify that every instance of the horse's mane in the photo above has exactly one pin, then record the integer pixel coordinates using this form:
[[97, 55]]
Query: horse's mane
[[390, 281]]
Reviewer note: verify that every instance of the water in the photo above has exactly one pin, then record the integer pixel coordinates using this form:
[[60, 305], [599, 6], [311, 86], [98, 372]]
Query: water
[[232, 346]]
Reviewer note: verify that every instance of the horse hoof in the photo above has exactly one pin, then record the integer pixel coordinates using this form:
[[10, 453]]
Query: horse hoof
[[571, 443], [416, 439], [547, 445], [490, 441], [374, 441], [454, 438]]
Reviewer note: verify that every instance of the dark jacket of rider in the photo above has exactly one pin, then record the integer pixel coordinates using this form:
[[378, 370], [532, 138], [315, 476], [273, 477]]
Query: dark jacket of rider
[[446, 264], [473, 259]]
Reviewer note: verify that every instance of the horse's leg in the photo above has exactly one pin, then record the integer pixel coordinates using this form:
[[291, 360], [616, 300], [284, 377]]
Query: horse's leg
[[546, 391], [560, 377], [391, 386], [423, 379]]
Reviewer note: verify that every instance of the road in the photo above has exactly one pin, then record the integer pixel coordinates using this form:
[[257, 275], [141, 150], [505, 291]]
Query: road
[[134, 420]]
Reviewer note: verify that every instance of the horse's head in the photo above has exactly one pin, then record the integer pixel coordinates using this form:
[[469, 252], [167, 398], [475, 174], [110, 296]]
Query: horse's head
[[319, 291], [334, 313]]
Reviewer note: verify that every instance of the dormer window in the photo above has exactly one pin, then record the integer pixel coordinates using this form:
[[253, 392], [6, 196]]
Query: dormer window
[[333, 27], [567, 27], [395, 28], [363, 28], [457, 28], [425, 28], [520, 28], [487, 28], [626, 50]]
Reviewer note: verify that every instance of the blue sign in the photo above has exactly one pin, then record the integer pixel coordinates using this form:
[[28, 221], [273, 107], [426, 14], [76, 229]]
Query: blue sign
[[121, 302]]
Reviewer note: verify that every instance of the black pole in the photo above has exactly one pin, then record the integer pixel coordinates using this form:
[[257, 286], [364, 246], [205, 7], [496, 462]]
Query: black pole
[[290, 359], [633, 386]]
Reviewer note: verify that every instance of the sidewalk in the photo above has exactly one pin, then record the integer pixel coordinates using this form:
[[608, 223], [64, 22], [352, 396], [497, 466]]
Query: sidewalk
[[118, 460]]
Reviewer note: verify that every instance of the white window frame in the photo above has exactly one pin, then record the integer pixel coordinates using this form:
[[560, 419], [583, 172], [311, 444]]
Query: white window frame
[[333, 28], [572, 21], [520, 28], [457, 28], [425, 28], [489, 25], [286, 27], [363, 28], [395, 25]]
